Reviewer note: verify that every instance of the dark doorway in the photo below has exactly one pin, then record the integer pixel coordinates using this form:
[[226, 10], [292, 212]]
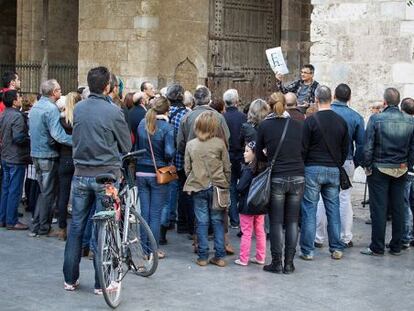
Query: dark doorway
[[240, 32], [8, 22]]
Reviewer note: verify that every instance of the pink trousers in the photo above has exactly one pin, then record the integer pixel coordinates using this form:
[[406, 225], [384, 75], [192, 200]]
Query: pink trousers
[[250, 223]]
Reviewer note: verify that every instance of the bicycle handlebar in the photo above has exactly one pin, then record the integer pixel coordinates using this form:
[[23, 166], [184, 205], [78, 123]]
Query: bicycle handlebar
[[133, 154]]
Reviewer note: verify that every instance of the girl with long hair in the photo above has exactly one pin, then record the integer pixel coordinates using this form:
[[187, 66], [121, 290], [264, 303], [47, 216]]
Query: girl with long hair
[[66, 167], [154, 197], [207, 164], [287, 181]]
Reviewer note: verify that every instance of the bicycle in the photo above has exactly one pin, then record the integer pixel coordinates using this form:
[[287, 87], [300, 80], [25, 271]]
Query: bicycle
[[125, 241]]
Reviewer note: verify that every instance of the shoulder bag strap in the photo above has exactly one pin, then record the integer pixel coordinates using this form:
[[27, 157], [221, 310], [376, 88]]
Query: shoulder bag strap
[[280, 143], [152, 151], [325, 141]]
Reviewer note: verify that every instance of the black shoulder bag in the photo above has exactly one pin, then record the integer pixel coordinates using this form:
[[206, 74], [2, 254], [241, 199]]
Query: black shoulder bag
[[344, 181], [259, 193]]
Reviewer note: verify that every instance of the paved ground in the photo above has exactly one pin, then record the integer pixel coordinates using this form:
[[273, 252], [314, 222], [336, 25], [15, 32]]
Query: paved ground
[[31, 279]]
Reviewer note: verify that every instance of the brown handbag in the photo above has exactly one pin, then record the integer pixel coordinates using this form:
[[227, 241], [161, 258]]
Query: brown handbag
[[164, 174]]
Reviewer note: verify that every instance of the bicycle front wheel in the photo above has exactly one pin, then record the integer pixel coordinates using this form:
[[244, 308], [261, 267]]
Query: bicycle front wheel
[[109, 262], [142, 245]]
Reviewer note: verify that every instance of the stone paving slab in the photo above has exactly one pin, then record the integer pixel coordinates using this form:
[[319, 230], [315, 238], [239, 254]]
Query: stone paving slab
[[32, 279]]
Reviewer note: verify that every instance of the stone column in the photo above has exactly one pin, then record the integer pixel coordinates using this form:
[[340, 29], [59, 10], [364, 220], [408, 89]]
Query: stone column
[[124, 38], [63, 31], [295, 35]]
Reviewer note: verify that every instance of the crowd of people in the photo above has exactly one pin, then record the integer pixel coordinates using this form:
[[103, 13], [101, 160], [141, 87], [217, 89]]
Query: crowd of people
[[55, 147]]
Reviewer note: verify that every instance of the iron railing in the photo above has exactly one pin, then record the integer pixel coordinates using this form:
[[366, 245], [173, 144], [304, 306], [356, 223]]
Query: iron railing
[[29, 74]]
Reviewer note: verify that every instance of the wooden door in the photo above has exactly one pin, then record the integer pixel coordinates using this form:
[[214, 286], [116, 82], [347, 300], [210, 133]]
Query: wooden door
[[240, 32]]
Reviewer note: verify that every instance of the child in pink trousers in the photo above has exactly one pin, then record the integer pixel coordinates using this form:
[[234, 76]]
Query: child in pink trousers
[[249, 221]]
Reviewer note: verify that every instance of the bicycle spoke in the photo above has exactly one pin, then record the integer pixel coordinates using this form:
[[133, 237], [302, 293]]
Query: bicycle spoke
[[142, 246], [110, 264]]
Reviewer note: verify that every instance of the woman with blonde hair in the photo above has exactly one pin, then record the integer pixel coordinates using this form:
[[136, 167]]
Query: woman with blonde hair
[[279, 132], [156, 135], [66, 167], [207, 164]]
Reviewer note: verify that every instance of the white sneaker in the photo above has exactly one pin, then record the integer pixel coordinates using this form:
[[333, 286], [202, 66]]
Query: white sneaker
[[71, 287], [113, 287], [257, 262], [98, 291], [240, 263]]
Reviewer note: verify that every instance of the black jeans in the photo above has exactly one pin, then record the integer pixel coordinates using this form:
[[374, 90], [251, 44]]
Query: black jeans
[[384, 191], [47, 175], [185, 208], [32, 190], [285, 200], [65, 170]]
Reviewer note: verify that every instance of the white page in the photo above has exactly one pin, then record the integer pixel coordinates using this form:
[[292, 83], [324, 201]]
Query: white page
[[276, 60]]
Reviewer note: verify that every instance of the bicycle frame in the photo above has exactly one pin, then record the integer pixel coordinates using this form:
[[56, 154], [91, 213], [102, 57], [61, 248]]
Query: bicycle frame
[[130, 194]]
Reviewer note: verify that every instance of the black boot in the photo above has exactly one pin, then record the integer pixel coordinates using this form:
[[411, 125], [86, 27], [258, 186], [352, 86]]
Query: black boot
[[163, 235], [275, 266], [289, 267]]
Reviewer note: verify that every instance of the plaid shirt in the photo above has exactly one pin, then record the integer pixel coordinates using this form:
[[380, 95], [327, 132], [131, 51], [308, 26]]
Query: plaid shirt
[[175, 121]]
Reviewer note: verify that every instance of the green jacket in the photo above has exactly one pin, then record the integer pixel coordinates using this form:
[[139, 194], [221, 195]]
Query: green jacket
[[206, 164]]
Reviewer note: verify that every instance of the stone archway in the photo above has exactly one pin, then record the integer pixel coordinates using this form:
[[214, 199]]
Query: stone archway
[[186, 74]]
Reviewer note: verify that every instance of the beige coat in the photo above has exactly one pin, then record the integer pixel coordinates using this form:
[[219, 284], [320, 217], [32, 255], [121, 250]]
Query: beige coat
[[206, 163]]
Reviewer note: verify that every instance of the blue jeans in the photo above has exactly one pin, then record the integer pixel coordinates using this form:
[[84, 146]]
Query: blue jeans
[[86, 239], [154, 199], [85, 191], [409, 210], [169, 213], [204, 214], [11, 194], [325, 181]]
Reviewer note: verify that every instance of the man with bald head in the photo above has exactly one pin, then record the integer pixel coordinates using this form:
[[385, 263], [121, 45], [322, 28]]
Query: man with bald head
[[388, 156], [292, 107]]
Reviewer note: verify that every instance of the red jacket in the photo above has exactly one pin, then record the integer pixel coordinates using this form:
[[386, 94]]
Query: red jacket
[[2, 106]]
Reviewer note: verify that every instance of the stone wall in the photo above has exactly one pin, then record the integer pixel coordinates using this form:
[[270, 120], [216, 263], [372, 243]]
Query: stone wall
[[63, 31], [367, 44], [183, 42], [8, 11], [147, 40], [295, 35]]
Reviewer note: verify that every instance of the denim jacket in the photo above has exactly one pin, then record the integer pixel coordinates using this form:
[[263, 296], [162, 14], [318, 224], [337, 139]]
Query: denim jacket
[[356, 130], [44, 127], [389, 140], [162, 143]]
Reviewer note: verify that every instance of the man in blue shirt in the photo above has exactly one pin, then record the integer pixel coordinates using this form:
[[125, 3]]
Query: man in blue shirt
[[45, 132]]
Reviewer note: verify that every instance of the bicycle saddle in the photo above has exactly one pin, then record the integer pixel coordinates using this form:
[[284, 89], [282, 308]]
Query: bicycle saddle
[[105, 178]]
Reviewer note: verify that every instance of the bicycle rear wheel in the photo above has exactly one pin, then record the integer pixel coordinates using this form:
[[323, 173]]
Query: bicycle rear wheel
[[142, 245], [109, 262]]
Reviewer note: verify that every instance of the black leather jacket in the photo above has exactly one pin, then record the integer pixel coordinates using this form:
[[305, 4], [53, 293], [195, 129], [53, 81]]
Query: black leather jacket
[[389, 140]]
